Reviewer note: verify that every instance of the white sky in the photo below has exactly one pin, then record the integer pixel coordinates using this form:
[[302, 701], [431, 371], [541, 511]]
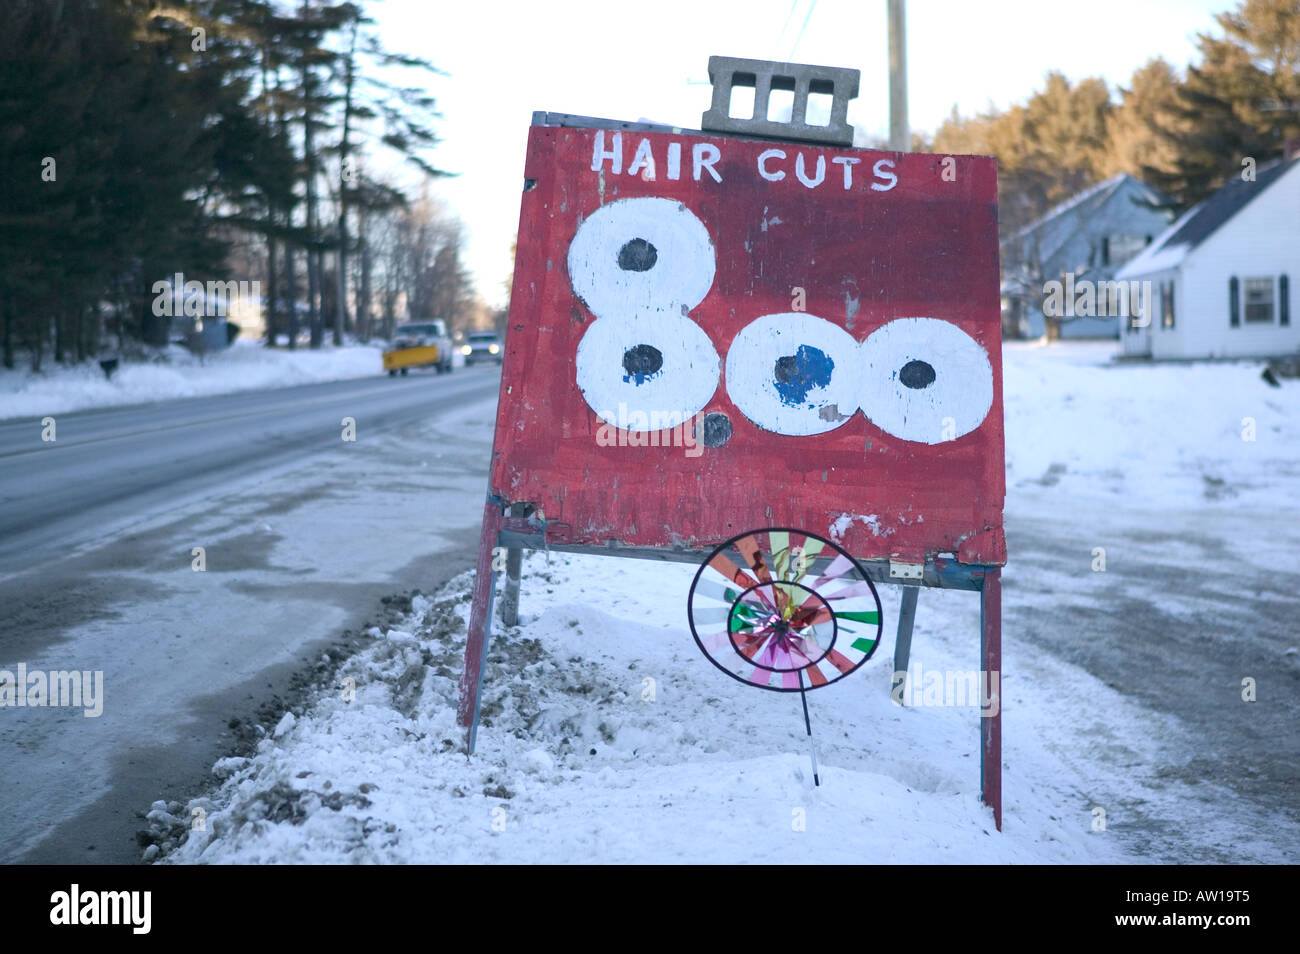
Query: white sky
[[649, 59]]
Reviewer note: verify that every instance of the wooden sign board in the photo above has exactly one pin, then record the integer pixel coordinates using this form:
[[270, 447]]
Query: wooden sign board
[[710, 335]]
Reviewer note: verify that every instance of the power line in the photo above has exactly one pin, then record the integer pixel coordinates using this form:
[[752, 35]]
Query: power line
[[786, 25], [811, 8]]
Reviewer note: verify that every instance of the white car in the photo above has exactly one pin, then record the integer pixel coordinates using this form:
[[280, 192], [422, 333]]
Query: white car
[[481, 346]]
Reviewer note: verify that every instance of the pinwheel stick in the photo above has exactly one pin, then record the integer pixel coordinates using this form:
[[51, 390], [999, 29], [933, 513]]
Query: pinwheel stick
[[807, 724]]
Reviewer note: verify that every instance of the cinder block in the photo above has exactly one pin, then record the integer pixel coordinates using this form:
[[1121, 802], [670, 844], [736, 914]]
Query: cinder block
[[765, 76]]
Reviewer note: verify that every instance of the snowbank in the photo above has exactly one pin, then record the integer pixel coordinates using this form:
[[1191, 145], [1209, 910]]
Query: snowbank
[[245, 366], [606, 737]]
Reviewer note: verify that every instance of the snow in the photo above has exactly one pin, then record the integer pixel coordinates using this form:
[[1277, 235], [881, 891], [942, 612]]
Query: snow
[[1159, 434], [223, 768], [1155, 258], [245, 366], [841, 524], [606, 736]]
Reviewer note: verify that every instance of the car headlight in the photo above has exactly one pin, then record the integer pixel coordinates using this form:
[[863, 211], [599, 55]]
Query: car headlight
[[493, 349], [466, 350]]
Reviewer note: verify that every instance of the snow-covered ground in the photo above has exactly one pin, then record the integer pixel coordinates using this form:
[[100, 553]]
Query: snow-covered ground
[[1162, 435], [607, 737], [245, 366]]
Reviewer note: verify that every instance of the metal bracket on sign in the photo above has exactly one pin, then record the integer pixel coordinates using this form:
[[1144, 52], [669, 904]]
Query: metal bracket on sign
[[906, 571]]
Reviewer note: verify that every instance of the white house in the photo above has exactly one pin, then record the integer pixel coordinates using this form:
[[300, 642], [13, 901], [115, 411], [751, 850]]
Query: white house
[[1223, 277]]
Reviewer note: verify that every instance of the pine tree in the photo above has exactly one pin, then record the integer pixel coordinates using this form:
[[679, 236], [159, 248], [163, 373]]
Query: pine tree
[[1047, 149], [1240, 102], [1139, 139]]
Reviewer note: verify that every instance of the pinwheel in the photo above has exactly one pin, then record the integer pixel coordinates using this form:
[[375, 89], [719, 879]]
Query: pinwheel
[[784, 610]]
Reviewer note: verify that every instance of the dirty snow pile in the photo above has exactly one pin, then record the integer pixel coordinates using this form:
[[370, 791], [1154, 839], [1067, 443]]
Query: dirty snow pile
[[177, 373], [607, 737]]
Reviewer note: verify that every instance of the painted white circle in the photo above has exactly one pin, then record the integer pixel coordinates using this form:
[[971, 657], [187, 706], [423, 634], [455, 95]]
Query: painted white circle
[[793, 373], [637, 254], [925, 380], [647, 372]]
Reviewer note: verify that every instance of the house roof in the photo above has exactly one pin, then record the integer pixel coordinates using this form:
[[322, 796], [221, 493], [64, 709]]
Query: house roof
[[1053, 229], [1092, 192], [1203, 220]]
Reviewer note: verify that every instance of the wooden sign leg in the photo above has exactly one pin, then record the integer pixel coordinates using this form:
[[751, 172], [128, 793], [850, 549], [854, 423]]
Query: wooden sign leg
[[510, 599], [903, 642], [480, 624], [514, 564], [991, 726]]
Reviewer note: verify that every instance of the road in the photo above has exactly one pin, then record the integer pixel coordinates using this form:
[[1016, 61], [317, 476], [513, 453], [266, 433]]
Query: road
[[303, 532], [1193, 605]]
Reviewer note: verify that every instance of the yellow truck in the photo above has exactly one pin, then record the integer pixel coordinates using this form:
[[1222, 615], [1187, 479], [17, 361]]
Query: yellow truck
[[419, 344]]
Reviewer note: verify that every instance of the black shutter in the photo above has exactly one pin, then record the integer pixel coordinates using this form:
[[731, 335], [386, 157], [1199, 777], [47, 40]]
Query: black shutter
[[1284, 302], [1234, 304]]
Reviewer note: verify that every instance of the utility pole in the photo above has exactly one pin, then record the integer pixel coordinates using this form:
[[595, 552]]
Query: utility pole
[[900, 137]]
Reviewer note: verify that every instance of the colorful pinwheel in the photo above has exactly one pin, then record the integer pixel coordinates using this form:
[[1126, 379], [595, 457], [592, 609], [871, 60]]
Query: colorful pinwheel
[[784, 610]]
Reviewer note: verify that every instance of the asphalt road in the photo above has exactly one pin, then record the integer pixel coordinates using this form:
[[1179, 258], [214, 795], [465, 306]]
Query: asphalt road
[[108, 466], [1192, 604], [303, 534]]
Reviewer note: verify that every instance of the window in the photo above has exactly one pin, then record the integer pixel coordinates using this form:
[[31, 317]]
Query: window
[[1283, 300], [1259, 300], [1167, 304]]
